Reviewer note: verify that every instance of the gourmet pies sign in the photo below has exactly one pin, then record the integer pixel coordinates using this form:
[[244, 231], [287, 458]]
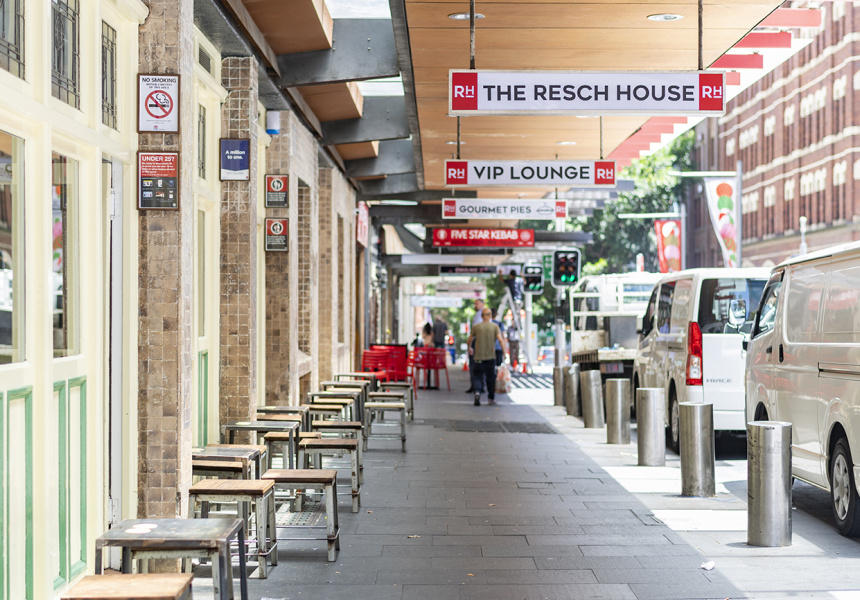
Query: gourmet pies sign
[[529, 172], [470, 208], [491, 238], [586, 93]]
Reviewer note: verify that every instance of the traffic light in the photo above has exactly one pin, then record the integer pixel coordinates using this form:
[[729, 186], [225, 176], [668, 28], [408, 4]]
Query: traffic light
[[533, 276], [565, 267]]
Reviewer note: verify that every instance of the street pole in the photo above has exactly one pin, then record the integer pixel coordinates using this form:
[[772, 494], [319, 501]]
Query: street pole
[[739, 170], [559, 329]]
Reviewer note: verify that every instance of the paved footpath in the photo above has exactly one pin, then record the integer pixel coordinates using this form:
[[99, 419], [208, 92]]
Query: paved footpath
[[519, 502]]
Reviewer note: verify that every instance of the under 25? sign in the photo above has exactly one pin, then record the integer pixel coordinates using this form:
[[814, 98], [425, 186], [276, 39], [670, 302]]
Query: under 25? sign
[[585, 92], [529, 172]]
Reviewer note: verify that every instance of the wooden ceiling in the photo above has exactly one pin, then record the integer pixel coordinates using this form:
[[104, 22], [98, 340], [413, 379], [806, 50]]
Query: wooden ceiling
[[563, 35]]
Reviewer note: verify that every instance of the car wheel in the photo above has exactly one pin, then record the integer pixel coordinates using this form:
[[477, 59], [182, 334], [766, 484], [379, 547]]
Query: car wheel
[[843, 491], [761, 413], [674, 423]]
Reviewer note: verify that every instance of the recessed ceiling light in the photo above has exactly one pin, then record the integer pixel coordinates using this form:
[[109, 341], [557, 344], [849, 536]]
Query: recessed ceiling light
[[454, 143], [464, 16], [566, 143], [665, 17]]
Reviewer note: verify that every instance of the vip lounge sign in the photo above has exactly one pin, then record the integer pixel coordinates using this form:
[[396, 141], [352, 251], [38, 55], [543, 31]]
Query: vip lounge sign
[[488, 238], [529, 172], [586, 93], [470, 208]]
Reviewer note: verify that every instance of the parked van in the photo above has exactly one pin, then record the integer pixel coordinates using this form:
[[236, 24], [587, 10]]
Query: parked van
[[691, 343], [803, 367]]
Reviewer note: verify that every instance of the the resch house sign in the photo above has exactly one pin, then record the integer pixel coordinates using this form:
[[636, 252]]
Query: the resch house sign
[[584, 92]]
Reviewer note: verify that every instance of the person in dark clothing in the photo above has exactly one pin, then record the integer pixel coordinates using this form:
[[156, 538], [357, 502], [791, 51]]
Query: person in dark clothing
[[440, 330], [515, 286]]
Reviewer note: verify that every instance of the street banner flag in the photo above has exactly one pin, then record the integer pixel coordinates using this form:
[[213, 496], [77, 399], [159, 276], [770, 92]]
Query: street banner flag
[[724, 206], [668, 245]]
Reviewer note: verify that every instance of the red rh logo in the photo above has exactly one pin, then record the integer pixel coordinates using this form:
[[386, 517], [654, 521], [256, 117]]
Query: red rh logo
[[456, 172], [604, 173], [711, 91], [464, 91], [561, 209], [449, 208]]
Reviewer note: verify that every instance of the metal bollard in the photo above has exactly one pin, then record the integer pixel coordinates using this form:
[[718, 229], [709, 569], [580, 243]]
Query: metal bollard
[[697, 449], [591, 389], [571, 391], [769, 483], [617, 411], [558, 385], [651, 426]]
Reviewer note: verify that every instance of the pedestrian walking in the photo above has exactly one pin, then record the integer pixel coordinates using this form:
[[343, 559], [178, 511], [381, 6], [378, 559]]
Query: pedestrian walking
[[483, 372]]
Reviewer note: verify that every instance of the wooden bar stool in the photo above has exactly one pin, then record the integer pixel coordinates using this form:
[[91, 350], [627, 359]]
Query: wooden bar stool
[[327, 447], [372, 409], [316, 479], [349, 429], [407, 388], [256, 492], [155, 586], [347, 404], [326, 411], [278, 438]]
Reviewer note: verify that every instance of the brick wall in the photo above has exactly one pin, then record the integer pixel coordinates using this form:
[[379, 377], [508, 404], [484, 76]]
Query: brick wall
[[238, 305], [328, 270], [165, 280]]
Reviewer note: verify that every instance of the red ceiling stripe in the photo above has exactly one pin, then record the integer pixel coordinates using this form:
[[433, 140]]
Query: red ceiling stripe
[[733, 78], [739, 61], [766, 39], [793, 17], [668, 120], [646, 137]]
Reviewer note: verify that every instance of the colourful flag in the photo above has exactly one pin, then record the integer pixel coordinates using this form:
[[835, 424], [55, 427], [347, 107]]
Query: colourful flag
[[724, 206], [668, 245]]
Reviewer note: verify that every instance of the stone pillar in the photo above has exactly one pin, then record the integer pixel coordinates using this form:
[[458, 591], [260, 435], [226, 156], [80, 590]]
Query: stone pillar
[[280, 327], [238, 305], [165, 279], [328, 279]]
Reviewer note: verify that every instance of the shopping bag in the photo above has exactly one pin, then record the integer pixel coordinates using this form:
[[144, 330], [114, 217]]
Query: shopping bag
[[503, 379]]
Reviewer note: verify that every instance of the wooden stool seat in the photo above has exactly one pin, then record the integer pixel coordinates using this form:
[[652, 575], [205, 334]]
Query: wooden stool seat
[[283, 436], [300, 476], [329, 444], [219, 468], [386, 396], [336, 425], [150, 586], [351, 428], [386, 405], [233, 487]]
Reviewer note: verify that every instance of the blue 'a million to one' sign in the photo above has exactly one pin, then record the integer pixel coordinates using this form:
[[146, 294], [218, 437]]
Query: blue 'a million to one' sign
[[235, 160]]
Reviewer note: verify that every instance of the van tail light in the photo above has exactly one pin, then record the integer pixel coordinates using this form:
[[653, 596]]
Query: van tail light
[[694, 354]]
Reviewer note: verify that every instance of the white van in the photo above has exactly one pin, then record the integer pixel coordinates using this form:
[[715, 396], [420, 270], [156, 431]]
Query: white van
[[691, 345], [803, 366]]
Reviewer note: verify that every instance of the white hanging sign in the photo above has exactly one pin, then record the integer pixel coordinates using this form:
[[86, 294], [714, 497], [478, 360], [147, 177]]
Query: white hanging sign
[[586, 93], [436, 302], [529, 172], [472, 208], [157, 103]]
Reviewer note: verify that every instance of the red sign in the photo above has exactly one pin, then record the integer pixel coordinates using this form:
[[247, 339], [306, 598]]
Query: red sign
[[604, 172], [158, 180], [277, 188], [276, 235], [711, 91], [456, 172], [464, 91], [276, 183], [362, 224], [495, 238], [561, 209], [668, 245]]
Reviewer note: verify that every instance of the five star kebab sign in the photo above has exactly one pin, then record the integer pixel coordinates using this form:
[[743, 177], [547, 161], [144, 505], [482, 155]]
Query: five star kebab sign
[[586, 92], [529, 172], [493, 238]]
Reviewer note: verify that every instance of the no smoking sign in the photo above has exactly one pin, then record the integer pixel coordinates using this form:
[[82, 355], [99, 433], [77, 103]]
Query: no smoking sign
[[158, 98]]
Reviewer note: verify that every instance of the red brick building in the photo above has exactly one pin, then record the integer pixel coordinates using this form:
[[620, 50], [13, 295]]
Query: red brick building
[[796, 135]]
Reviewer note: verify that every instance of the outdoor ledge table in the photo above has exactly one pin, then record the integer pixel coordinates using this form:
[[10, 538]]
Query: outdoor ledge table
[[229, 430], [288, 410], [181, 538], [361, 385], [244, 452], [366, 375]]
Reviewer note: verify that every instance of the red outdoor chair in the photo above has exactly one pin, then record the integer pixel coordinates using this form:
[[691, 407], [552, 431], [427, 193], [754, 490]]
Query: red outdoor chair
[[438, 363], [376, 362]]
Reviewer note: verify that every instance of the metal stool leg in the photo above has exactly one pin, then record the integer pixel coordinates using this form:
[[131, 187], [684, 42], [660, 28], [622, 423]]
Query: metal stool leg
[[356, 489], [403, 430], [331, 521], [261, 512]]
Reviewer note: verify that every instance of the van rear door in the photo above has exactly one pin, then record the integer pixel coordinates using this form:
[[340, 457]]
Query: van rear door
[[722, 347]]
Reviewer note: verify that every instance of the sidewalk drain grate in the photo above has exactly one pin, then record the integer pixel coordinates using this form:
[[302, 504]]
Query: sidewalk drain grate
[[490, 426]]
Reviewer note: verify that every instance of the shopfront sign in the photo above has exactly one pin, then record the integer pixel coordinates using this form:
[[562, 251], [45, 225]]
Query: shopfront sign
[[436, 301], [669, 246], [483, 173], [586, 92], [277, 235], [472, 208], [459, 289], [362, 224], [158, 180], [277, 191], [466, 271], [488, 238], [235, 160], [157, 103]]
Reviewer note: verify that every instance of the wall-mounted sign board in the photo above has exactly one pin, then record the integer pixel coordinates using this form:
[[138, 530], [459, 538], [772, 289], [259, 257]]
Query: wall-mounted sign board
[[235, 160], [484, 92], [473, 208], [277, 191], [483, 173], [488, 238], [277, 239], [436, 301], [158, 180], [157, 103], [467, 271]]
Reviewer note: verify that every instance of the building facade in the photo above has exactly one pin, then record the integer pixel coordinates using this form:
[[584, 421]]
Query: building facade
[[796, 137]]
